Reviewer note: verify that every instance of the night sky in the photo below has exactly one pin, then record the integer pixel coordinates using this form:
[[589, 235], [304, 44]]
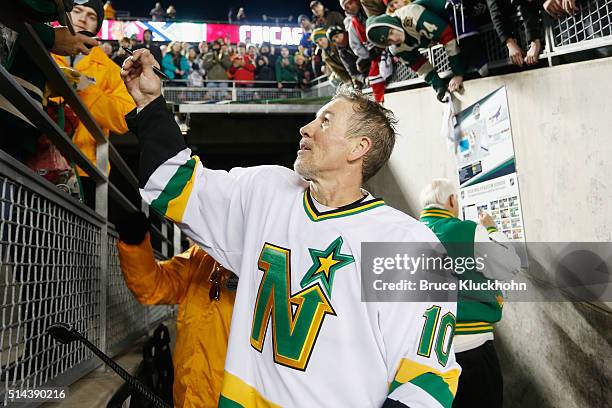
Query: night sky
[[217, 9]]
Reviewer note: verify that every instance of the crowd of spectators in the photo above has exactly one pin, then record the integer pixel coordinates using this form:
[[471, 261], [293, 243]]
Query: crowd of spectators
[[339, 45], [214, 64]]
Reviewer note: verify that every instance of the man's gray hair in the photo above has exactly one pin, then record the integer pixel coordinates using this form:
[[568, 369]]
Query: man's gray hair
[[374, 121], [437, 192]]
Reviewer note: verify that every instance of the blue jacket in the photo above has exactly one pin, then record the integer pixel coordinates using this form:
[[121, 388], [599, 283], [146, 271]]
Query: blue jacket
[[169, 67]]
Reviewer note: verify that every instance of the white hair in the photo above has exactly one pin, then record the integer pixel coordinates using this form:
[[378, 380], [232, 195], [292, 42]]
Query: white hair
[[437, 192]]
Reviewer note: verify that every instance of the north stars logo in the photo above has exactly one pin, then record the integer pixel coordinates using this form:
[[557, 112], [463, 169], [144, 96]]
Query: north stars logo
[[296, 319]]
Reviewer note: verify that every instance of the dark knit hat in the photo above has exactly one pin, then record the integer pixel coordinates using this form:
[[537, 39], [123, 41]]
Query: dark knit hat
[[95, 5], [378, 27], [333, 30]]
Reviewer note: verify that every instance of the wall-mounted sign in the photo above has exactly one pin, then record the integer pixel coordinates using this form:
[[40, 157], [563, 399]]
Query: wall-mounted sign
[[486, 165]]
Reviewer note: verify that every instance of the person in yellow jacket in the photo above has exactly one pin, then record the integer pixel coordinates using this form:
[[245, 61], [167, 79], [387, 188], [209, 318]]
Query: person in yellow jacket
[[100, 87], [205, 294]]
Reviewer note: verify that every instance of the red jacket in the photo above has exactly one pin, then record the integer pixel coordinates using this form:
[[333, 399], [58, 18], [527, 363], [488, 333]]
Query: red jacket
[[245, 72]]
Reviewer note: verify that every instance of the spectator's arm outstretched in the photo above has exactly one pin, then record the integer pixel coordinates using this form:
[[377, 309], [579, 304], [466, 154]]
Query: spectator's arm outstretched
[[152, 282]]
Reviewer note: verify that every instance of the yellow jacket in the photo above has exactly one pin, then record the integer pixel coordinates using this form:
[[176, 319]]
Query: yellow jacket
[[202, 326], [108, 99]]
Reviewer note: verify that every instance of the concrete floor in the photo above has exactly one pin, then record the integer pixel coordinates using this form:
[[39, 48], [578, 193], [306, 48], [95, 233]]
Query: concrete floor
[[95, 389]]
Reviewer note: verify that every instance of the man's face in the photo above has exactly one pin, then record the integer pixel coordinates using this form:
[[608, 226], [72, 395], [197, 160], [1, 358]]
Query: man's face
[[84, 19], [396, 4], [323, 42], [108, 49], [318, 10], [241, 50], [125, 44], [395, 37], [264, 49], [324, 147], [341, 40], [203, 47], [284, 52], [351, 7], [305, 24], [146, 36]]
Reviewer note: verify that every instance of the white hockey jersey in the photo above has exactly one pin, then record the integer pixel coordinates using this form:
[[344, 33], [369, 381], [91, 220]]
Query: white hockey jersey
[[300, 334]]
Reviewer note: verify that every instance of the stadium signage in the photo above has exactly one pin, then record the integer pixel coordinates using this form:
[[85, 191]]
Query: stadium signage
[[196, 32]]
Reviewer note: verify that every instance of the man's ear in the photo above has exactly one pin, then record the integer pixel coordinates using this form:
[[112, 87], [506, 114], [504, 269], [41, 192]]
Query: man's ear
[[453, 201], [360, 148]]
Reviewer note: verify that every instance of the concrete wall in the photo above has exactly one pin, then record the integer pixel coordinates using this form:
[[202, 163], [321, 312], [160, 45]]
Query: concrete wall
[[553, 354]]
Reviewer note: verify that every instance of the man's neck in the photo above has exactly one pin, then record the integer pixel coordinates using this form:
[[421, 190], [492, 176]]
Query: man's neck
[[334, 193]]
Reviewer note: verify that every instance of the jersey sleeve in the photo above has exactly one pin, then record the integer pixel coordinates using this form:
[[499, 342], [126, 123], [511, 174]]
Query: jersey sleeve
[[500, 259], [208, 205], [422, 371]]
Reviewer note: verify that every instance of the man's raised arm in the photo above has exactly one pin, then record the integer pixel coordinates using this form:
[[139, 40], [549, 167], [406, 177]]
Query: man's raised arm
[[207, 205]]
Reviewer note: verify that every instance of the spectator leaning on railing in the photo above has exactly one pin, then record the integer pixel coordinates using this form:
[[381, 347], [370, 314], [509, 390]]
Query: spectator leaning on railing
[[374, 7], [411, 28], [531, 15], [58, 40], [306, 44], [467, 16], [338, 36], [369, 57], [331, 58], [323, 17], [100, 88]]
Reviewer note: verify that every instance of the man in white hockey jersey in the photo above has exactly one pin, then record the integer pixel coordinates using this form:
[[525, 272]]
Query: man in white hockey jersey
[[300, 334]]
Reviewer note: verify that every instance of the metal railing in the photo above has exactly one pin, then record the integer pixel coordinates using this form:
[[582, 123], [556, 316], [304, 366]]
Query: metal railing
[[589, 29], [58, 258], [226, 91]]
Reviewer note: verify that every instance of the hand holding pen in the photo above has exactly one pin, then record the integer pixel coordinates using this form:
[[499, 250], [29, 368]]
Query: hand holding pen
[[155, 69], [140, 78]]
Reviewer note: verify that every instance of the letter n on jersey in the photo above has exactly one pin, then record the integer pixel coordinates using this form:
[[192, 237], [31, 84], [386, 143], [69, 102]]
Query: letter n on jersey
[[294, 334]]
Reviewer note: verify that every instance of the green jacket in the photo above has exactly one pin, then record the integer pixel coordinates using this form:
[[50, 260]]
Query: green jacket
[[477, 311]]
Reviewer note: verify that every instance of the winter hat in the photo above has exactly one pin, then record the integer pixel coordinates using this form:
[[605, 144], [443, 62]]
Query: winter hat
[[333, 30], [378, 27], [318, 33], [98, 7]]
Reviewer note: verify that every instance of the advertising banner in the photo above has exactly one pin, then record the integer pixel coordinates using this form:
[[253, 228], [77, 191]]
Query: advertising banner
[[165, 31]]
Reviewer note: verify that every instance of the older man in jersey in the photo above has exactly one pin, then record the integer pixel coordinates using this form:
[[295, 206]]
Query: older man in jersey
[[300, 334]]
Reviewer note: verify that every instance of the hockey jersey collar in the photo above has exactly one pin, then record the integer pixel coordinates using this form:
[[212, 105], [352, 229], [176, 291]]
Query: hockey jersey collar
[[344, 211], [436, 212]]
